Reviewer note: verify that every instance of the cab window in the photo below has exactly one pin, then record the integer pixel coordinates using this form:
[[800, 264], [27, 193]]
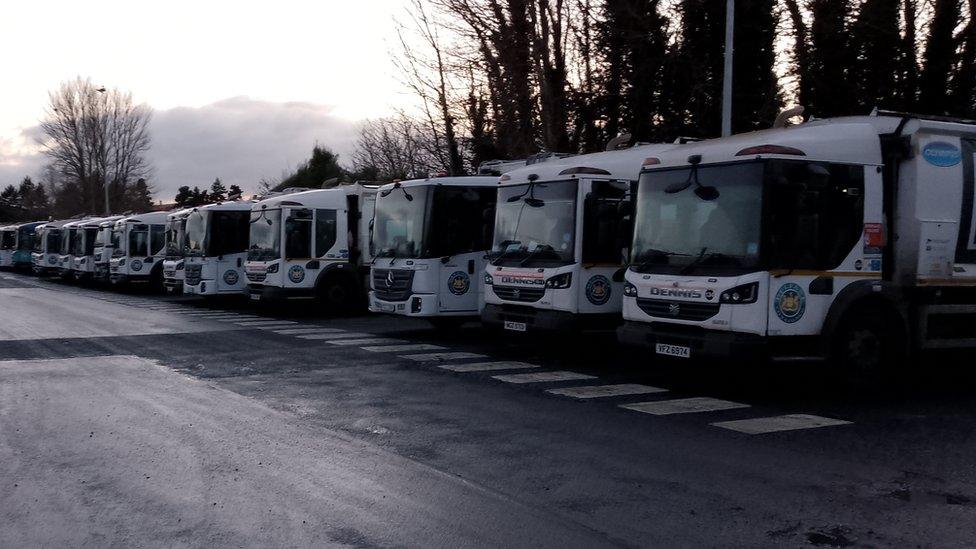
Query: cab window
[[325, 231], [606, 215]]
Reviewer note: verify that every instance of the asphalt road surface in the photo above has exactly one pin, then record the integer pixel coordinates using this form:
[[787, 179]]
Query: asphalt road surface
[[128, 419]]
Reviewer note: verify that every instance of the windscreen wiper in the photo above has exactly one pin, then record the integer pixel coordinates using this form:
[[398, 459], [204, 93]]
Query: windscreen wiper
[[655, 255], [538, 250], [703, 257]]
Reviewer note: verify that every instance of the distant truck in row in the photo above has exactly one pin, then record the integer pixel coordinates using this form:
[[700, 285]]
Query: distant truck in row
[[175, 251], [215, 248], [311, 245], [851, 238], [17, 244], [138, 246]]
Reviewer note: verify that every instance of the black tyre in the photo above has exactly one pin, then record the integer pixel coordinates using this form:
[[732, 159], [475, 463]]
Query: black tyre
[[869, 342], [336, 295]]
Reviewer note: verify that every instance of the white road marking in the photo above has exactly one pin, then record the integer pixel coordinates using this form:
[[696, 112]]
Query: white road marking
[[488, 366], [299, 331], [344, 335], [438, 357], [791, 422], [366, 341], [259, 323], [601, 391], [402, 348], [543, 377], [683, 406]]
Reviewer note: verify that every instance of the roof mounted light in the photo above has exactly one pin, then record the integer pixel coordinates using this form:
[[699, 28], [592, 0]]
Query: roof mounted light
[[652, 161], [505, 177], [770, 149], [584, 170], [290, 203]]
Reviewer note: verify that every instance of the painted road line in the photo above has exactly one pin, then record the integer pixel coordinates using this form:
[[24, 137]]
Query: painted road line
[[344, 335], [259, 323], [683, 406], [774, 424], [300, 331], [602, 391], [487, 366], [439, 357], [366, 341], [543, 377], [403, 348]]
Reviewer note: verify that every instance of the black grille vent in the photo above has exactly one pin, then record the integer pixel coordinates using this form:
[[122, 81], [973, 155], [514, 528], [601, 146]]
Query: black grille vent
[[680, 310], [392, 285], [518, 293], [257, 277], [193, 274]]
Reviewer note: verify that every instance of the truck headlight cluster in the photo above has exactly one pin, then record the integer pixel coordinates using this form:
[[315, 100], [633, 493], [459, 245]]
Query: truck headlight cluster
[[273, 268], [489, 280], [630, 290], [560, 281], [746, 293]]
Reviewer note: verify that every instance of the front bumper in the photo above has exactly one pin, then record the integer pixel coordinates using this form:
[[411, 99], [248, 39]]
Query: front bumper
[[703, 343], [417, 305], [260, 292], [547, 319]]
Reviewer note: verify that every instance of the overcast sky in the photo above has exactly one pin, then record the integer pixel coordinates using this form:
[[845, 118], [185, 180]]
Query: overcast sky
[[240, 90]]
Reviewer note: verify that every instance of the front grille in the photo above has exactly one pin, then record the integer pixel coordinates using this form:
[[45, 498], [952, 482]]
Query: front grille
[[257, 277], [520, 294], [169, 273], [392, 288], [193, 274], [679, 310]]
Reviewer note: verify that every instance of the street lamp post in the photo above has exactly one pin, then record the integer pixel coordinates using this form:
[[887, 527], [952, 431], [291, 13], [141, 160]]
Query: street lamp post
[[108, 211], [727, 75]]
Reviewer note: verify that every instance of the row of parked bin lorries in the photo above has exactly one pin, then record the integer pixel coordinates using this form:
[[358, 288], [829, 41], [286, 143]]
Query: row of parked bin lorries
[[849, 237]]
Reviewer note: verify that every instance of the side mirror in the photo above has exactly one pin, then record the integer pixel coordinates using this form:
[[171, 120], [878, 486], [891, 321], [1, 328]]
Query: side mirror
[[618, 275]]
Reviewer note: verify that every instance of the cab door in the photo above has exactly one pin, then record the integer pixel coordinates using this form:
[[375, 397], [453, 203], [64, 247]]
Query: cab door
[[463, 227], [233, 229], [605, 212], [459, 277]]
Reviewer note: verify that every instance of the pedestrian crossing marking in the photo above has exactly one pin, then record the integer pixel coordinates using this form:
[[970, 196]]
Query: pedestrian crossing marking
[[543, 377], [605, 391], [487, 366], [683, 406], [775, 424]]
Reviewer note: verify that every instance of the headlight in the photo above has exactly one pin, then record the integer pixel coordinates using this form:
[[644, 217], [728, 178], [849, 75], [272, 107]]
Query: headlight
[[560, 282], [489, 280], [179, 266], [746, 293], [273, 268], [122, 262], [630, 290]]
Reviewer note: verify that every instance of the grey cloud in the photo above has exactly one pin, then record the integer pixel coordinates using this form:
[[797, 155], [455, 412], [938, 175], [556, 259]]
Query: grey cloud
[[240, 140]]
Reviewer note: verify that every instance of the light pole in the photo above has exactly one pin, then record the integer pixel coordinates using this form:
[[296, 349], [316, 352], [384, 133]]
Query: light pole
[[108, 211], [727, 75]]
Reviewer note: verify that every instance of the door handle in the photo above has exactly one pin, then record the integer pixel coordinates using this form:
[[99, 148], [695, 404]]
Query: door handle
[[470, 266]]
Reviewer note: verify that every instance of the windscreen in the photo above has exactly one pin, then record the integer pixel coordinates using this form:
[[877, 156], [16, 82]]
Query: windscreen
[[117, 241], [138, 241], [8, 239], [229, 232], [90, 236], [535, 224], [264, 240], [676, 229], [197, 226], [53, 241], [175, 238], [77, 242], [399, 222]]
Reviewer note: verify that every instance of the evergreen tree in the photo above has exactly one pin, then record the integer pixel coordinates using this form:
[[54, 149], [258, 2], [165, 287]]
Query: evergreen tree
[[183, 197], [756, 98], [218, 192], [939, 58], [876, 43], [235, 191], [322, 166], [139, 197]]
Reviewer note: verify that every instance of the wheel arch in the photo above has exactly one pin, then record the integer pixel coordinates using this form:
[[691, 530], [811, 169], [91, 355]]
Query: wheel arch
[[857, 296]]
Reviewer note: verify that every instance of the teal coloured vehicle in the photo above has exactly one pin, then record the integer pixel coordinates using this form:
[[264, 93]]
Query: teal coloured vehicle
[[16, 245]]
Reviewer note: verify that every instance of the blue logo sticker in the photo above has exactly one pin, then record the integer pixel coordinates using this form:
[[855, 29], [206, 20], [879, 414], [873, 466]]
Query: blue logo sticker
[[942, 154], [875, 265], [458, 283], [231, 277], [296, 274], [790, 303], [598, 290]]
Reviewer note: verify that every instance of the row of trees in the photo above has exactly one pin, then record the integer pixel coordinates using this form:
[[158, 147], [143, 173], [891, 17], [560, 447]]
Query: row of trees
[[30, 201], [187, 197], [508, 78]]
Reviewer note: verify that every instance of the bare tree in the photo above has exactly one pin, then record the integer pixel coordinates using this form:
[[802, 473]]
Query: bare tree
[[394, 148], [97, 140]]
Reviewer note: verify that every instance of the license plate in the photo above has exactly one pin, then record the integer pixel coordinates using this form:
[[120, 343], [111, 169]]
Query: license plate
[[515, 326], [679, 351], [255, 297]]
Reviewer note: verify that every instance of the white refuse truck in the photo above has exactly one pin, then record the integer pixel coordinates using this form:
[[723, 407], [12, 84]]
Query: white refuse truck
[[102, 254], [216, 241], [311, 245], [850, 238], [429, 242], [138, 245], [173, 259], [561, 232], [70, 238], [47, 247], [8, 245], [85, 251]]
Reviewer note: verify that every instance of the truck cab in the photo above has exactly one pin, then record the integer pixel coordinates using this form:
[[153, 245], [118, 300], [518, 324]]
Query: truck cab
[[8, 245], [86, 251], [561, 233], [215, 247], [429, 241], [848, 238], [137, 244], [47, 247], [173, 259], [311, 245], [71, 234]]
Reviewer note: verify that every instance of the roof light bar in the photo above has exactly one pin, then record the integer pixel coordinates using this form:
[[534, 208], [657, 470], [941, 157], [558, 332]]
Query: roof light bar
[[585, 170], [770, 149]]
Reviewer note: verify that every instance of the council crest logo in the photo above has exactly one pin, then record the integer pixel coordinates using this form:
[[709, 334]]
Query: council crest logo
[[296, 274], [790, 303], [136, 265], [598, 290], [458, 283], [231, 277]]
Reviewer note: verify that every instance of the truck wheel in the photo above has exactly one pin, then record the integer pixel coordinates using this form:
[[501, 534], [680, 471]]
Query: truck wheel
[[336, 295], [867, 343]]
